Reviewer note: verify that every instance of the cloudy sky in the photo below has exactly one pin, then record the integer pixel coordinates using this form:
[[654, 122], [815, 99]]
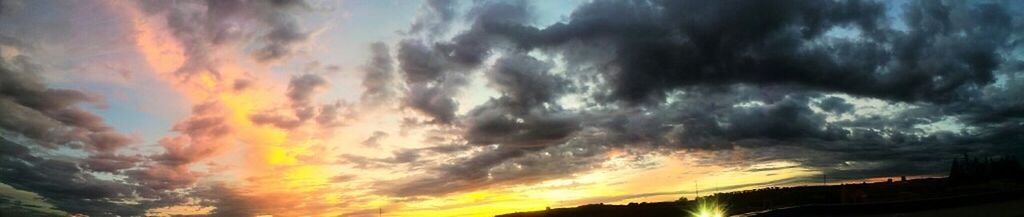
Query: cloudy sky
[[482, 107]]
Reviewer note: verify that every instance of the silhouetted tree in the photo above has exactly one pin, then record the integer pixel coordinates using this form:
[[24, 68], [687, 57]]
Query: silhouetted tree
[[974, 170]]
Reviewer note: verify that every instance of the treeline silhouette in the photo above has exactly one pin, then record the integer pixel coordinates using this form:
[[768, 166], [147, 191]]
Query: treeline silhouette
[[967, 176], [967, 170]]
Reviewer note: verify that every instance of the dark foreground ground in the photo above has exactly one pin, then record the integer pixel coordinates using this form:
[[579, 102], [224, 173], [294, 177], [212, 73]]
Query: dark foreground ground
[[1009, 203], [1009, 208], [920, 197], [998, 209]]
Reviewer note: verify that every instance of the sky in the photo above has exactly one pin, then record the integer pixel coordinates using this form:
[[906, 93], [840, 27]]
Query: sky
[[484, 107]]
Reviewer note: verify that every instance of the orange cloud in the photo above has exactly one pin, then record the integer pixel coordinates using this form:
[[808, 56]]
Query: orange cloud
[[220, 122]]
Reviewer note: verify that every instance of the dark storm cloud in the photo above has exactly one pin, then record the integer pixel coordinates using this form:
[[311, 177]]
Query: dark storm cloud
[[501, 166], [787, 119], [228, 202], [468, 174], [998, 104], [805, 135], [520, 122], [666, 45], [471, 48], [430, 90], [933, 80], [520, 117], [71, 187], [697, 120], [881, 145], [111, 163], [435, 71], [526, 80], [36, 119], [49, 116], [500, 11], [498, 122], [716, 119], [433, 101], [419, 63], [835, 104]]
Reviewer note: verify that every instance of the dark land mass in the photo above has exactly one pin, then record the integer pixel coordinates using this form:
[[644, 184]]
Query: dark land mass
[[986, 187]]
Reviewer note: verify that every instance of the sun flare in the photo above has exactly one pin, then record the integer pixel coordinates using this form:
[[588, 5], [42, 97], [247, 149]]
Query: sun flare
[[708, 208]]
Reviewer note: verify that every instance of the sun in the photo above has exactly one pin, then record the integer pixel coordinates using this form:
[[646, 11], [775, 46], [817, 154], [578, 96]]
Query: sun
[[708, 208]]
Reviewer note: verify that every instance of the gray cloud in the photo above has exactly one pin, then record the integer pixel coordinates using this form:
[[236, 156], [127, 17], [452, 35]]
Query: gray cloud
[[285, 34], [334, 114], [203, 27], [835, 104], [52, 117], [434, 101], [418, 62], [693, 75], [842, 87], [526, 80], [496, 123], [301, 90], [71, 186], [374, 140], [615, 198], [434, 72], [379, 83], [227, 202], [435, 17], [431, 87], [50, 178], [499, 165], [521, 117], [36, 119], [781, 43], [302, 87]]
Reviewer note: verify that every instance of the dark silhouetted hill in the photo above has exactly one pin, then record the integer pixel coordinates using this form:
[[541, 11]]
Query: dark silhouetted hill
[[971, 181]]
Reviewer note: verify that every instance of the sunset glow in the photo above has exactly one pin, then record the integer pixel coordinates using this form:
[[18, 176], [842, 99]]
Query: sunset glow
[[480, 108]]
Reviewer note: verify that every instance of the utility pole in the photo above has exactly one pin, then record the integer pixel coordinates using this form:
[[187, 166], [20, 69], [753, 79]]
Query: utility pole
[[696, 189], [380, 212]]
